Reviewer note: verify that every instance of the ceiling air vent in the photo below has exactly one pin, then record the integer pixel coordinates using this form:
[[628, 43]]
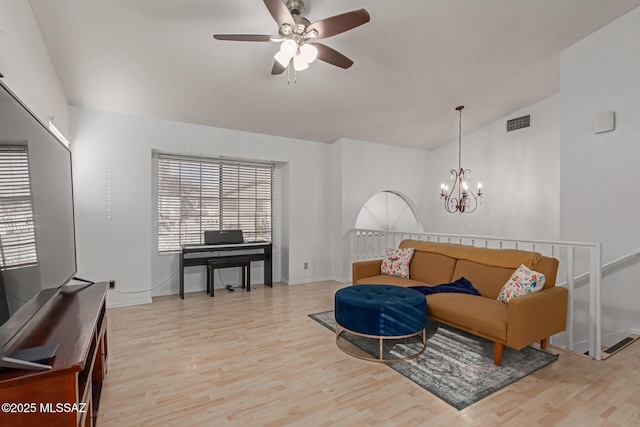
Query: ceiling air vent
[[519, 123]]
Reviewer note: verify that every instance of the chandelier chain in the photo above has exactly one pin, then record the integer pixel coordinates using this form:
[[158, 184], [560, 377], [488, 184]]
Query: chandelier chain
[[460, 137]]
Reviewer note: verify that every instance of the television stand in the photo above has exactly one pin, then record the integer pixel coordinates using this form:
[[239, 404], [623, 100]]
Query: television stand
[[69, 393]]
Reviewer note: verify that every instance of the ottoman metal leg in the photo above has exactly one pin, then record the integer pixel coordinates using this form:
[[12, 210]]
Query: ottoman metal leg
[[340, 330]]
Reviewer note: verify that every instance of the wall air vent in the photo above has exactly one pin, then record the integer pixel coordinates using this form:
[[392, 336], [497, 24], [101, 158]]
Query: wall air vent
[[519, 123]]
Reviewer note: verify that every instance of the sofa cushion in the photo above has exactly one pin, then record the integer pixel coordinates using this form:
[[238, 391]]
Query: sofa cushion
[[382, 279], [488, 280], [396, 262], [432, 268], [522, 281], [482, 316], [508, 258]]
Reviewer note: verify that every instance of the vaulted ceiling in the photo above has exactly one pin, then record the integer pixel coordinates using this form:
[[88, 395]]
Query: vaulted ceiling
[[413, 63]]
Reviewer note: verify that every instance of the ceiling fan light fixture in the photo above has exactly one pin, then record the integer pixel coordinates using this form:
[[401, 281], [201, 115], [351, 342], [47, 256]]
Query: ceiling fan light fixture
[[299, 63], [285, 30], [308, 52], [282, 58], [289, 48], [310, 34], [295, 32]]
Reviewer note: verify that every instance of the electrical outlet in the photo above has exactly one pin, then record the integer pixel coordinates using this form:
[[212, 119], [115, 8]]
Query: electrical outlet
[[306, 265], [112, 284]]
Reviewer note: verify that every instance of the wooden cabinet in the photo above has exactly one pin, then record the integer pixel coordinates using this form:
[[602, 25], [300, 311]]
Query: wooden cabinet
[[69, 393]]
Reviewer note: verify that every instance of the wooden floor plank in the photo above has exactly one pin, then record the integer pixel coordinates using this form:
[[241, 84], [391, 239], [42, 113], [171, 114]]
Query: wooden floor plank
[[257, 359]]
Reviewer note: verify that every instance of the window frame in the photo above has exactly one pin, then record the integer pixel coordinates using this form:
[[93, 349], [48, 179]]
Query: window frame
[[201, 183]]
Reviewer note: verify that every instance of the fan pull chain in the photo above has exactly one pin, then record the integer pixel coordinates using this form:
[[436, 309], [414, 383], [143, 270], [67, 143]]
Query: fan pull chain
[[289, 73]]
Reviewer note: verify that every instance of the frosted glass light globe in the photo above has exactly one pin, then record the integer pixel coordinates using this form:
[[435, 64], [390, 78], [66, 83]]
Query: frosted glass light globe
[[299, 63], [289, 47], [309, 52]]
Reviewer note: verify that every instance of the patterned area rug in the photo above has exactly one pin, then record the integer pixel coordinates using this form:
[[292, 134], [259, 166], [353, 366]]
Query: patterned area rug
[[457, 366]]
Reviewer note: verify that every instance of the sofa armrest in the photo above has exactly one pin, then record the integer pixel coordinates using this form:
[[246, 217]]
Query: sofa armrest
[[362, 269], [536, 316]]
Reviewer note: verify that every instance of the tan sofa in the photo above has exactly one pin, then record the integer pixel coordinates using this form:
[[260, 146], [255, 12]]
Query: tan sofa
[[524, 320]]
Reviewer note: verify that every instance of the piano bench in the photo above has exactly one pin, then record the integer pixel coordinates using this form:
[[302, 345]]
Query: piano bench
[[213, 264]]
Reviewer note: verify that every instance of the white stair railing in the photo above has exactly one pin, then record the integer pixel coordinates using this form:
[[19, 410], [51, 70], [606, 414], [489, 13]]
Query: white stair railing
[[372, 244], [606, 267]]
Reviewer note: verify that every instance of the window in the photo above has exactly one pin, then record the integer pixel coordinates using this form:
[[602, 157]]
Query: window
[[197, 194], [17, 236], [389, 210]]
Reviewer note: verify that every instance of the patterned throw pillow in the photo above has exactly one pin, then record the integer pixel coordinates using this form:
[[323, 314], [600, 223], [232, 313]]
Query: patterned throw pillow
[[523, 281], [396, 262]]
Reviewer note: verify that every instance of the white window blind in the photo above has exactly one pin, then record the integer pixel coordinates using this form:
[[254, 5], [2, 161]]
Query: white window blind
[[17, 236], [197, 194]]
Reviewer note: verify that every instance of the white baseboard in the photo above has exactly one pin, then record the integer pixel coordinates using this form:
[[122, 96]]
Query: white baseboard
[[166, 292], [129, 303], [169, 291], [302, 282]]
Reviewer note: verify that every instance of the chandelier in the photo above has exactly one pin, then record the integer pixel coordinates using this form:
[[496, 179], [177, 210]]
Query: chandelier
[[459, 198]]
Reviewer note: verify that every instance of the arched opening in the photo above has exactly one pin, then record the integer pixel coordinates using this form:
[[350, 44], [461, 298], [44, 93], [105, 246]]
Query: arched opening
[[390, 211]]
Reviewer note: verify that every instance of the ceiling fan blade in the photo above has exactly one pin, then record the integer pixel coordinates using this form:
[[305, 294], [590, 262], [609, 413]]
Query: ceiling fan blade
[[280, 13], [243, 37], [340, 23], [332, 56], [277, 68]]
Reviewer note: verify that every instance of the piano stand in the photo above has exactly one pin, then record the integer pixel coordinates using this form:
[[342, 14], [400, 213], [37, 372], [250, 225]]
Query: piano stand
[[203, 255], [212, 264]]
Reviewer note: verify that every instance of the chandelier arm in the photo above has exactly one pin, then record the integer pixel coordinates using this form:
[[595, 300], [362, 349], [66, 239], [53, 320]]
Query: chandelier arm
[[475, 204], [475, 198], [453, 203]]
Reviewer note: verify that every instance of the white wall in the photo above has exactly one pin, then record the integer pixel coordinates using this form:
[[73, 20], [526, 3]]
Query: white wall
[[365, 168], [27, 67], [599, 178], [519, 172], [113, 191]]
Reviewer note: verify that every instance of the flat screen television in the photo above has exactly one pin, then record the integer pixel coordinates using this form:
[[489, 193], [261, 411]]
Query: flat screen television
[[37, 234]]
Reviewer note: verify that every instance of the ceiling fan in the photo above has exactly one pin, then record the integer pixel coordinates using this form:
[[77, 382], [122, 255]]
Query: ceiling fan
[[297, 35]]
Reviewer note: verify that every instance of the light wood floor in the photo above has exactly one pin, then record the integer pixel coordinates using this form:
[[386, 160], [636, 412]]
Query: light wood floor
[[256, 359]]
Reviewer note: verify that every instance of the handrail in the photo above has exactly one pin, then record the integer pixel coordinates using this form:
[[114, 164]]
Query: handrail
[[621, 260], [479, 237], [369, 244], [605, 267]]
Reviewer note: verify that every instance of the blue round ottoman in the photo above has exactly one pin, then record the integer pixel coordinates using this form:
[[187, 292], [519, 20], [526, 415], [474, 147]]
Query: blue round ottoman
[[382, 312]]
